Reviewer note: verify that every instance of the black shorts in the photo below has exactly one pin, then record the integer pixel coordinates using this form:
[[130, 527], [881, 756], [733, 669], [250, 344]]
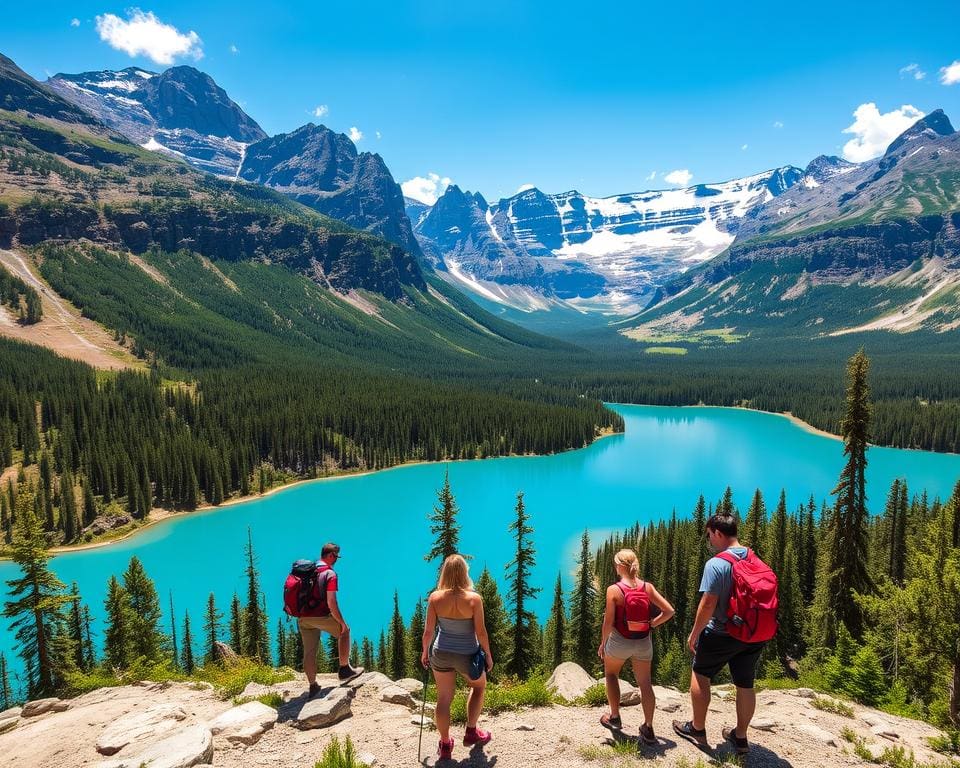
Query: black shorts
[[714, 650]]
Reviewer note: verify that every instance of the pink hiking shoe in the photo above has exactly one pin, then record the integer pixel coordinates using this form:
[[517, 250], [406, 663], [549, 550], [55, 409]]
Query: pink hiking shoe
[[445, 750], [476, 736]]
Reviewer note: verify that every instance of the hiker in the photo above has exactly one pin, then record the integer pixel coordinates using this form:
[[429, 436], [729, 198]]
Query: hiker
[[715, 639], [455, 616], [626, 635], [326, 617]]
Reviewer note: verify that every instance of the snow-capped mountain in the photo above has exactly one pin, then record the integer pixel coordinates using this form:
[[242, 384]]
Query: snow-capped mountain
[[599, 253], [181, 111]]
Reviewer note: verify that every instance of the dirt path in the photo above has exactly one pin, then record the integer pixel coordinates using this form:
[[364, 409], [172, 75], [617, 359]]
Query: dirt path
[[62, 329]]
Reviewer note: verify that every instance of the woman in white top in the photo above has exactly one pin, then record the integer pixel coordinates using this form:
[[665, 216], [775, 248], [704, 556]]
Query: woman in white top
[[454, 631], [618, 643]]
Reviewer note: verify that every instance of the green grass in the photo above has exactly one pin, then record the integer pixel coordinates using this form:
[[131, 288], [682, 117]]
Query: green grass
[[337, 756], [272, 699], [594, 696], [230, 681], [666, 350], [837, 707], [505, 696]]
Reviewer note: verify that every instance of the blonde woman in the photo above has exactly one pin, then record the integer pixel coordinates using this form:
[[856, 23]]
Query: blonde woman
[[626, 635], [453, 633]]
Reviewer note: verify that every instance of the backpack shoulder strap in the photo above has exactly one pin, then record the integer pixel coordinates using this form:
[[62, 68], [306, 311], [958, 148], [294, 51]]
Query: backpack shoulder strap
[[731, 558]]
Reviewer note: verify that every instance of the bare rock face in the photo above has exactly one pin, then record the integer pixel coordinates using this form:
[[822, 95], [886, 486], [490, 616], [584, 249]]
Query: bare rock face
[[570, 681], [394, 694], [670, 700], [332, 708], [244, 724], [9, 719], [414, 686], [183, 749], [140, 727], [226, 654], [818, 733], [377, 680]]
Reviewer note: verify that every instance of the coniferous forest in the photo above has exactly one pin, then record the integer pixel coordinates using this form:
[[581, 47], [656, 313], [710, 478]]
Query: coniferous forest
[[870, 605]]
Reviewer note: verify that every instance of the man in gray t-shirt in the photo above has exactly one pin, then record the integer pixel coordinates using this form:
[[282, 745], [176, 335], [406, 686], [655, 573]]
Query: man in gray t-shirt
[[713, 648]]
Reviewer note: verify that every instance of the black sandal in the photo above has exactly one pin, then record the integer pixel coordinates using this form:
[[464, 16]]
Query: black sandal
[[610, 722], [742, 745], [691, 734]]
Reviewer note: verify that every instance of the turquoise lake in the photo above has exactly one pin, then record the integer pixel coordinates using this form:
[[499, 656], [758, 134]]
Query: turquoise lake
[[665, 460]]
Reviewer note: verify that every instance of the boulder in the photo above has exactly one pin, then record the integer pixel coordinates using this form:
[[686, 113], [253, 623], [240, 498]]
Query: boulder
[[817, 733], [42, 706], [332, 708], [669, 699], [394, 694], [629, 694], [244, 724], [375, 679], [140, 726], [367, 758], [226, 655], [414, 686], [9, 719], [570, 681], [803, 693], [429, 708], [253, 690], [428, 724], [182, 749]]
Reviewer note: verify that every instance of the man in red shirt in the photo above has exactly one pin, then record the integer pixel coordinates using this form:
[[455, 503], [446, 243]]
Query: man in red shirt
[[330, 620]]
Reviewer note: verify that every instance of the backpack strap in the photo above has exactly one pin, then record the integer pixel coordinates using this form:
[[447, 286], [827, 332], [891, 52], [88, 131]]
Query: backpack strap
[[731, 558]]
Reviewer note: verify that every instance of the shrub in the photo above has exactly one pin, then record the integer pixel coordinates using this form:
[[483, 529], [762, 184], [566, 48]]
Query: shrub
[[826, 704], [505, 696], [594, 696], [947, 744], [335, 756], [272, 699], [231, 680]]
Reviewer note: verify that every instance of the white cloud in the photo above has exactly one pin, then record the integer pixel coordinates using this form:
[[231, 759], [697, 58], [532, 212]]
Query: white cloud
[[427, 188], [778, 124], [874, 131], [652, 176], [523, 188], [745, 147], [234, 49], [378, 135], [680, 177], [74, 22], [144, 34], [912, 70], [950, 75], [321, 111], [355, 134]]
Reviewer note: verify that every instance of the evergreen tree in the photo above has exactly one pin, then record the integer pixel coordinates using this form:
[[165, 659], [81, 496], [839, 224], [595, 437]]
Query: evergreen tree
[[175, 653], [808, 561], [70, 523], [495, 617], [556, 630], [583, 610], [211, 629], [444, 525], [255, 621], [186, 660], [75, 622], [382, 653], [397, 643], [847, 565], [282, 645], [36, 606], [754, 528], [146, 639], [415, 638], [117, 641], [89, 655], [5, 693], [524, 628], [776, 545], [865, 682], [236, 624], [366, 653]]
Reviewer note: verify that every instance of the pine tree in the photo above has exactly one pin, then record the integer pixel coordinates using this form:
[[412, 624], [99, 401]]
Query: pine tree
[[89, 655], [211, 629], [366, 653], [444, 524], [865, 682], [415, 637], [186, 660], [776, 545], [117, 640], [808, 561], [236, 625], [281, 645], [495, 617], [70, 523], [255, 620], [5, 692], [847, 572], [556, 630], [36, 606], [583, 610], [382, 653], [75, 622], [754, 527], [175, 653], [397, 643], [146, 639], [525, 645]]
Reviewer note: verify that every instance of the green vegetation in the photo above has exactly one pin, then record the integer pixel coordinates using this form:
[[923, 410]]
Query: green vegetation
[[23, 300], [666, 350], [594, 696], [337, 756], [835, 706], [505, 696]]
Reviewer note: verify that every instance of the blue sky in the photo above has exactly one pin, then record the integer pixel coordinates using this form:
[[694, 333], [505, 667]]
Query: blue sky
[[602, 97]]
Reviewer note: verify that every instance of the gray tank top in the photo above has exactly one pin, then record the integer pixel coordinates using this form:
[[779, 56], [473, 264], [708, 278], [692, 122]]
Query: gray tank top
[[456, 636]]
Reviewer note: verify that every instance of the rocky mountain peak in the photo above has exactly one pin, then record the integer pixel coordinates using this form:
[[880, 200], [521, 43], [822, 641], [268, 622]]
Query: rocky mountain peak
[[933, 126], [825, 167]]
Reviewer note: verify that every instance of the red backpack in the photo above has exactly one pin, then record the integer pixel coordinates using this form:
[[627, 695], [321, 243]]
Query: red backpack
[[305, 590], [632, 619], [752, 613]]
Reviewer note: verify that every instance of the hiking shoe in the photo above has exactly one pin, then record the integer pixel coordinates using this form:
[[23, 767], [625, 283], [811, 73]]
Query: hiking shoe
[[647, 735], [610, 722], [685, 730], [348, 673], [445, 750], [742, 745], [476, 736], [314, 690]]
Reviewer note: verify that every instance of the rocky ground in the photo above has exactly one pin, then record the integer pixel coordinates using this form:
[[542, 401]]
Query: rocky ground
[[178, 725]]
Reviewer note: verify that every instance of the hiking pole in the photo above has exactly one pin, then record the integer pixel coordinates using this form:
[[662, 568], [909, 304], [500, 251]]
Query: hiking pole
[[423, 708]]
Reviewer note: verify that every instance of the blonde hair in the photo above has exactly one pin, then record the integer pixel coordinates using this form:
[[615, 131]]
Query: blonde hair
[[628, 559], [454, 574]]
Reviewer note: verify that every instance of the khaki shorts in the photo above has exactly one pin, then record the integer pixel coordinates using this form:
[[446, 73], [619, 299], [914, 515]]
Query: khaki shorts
[[310, 629], [448, 661], [620, 647]]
